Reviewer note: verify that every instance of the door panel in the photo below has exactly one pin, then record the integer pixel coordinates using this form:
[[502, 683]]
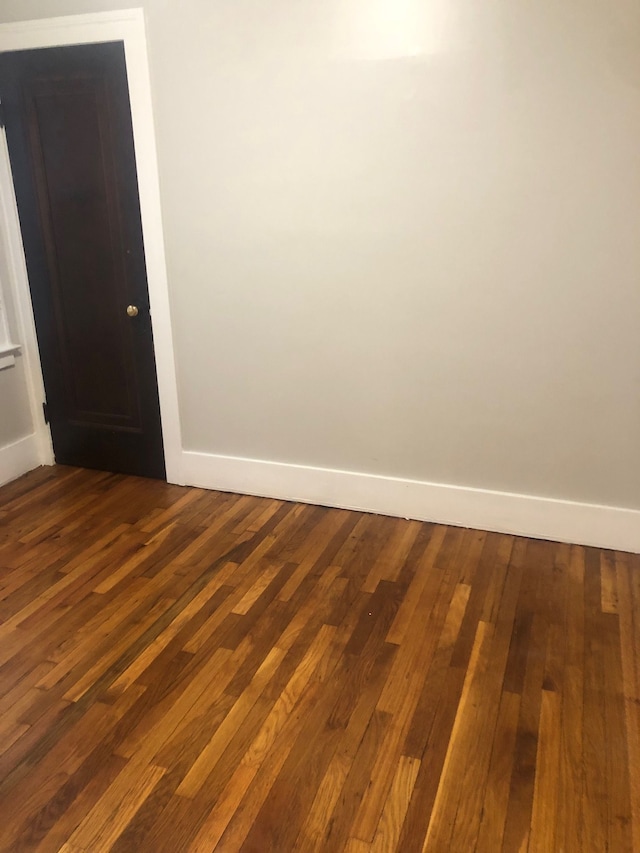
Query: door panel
[[68, 124]]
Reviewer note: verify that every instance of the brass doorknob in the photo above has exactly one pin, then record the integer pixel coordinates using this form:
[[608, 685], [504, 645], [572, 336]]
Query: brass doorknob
[[132, 310]]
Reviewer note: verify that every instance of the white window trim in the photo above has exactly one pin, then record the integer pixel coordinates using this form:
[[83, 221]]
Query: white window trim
[[126, 26], [8, 353]]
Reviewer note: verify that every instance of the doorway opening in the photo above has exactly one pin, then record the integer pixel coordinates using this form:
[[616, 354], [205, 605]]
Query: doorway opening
[[125, 31]]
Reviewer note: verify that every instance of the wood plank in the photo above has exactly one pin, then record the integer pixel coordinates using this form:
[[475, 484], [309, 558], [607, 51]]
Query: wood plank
[[216, 823], [444, 812], [210, 754], [594, 777], [545, 793], [190, 670], [608, 583], [496, 791], [569, 825], [630, 662], [314, 829], [113, 811], [395, 809]]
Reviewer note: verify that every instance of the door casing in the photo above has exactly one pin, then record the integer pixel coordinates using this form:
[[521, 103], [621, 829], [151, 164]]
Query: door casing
[[126, 26]]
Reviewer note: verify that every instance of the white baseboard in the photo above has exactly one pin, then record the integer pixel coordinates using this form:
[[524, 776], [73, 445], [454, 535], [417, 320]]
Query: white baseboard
[[18, 458], [503, 512]]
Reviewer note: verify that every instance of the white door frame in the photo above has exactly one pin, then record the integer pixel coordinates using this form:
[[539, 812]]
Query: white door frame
[[127, 26]]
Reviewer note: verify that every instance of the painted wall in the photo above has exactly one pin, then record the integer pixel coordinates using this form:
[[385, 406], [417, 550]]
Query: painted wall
[[403, 236], [15, 415], [15, 409]]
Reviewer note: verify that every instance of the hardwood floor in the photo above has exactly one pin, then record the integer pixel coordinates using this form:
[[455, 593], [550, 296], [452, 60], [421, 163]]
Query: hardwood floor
[[183, 670]]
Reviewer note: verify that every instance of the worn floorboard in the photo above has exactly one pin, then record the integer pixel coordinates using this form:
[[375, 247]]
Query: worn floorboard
[[183, 670]]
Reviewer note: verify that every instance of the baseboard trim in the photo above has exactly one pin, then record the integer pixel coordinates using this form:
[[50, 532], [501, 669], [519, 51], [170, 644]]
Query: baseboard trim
[[503, 512], [18, 458]]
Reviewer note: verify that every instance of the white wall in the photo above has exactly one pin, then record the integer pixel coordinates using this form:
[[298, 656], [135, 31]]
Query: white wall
[[15, 415], [425, 267], [24, 439], [15, 410], [20, 449], [403, 236]]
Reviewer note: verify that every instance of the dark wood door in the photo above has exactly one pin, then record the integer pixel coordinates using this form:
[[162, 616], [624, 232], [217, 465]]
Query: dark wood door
[[68, 124]]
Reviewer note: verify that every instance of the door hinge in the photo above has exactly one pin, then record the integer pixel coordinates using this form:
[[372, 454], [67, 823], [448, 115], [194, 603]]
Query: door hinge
[[45, 412]]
